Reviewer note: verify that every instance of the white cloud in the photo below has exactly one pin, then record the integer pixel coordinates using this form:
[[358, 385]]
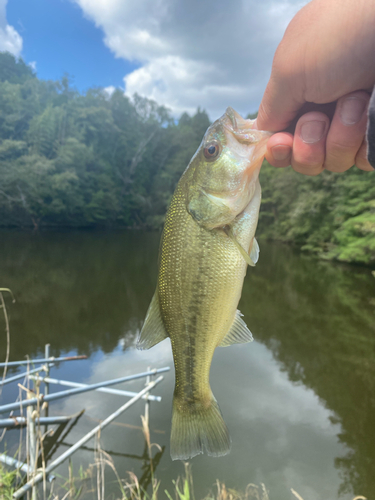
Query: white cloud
[[10, 39], [109, 90], [210, 54], [32, 65]]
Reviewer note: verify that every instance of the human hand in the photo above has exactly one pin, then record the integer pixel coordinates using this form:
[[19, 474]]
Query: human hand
[[323, 71]]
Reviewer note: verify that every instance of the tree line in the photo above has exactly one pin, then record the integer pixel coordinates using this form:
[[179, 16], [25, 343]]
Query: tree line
[[71, 159]]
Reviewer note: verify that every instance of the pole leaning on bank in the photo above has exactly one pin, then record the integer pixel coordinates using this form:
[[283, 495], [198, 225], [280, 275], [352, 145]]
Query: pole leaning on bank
[[39, 477]]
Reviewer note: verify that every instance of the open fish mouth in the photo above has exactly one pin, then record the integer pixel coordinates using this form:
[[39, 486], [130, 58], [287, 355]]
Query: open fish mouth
[[243, 129]]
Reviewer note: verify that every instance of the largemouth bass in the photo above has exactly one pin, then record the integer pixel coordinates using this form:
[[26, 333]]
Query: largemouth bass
[[207, 243]]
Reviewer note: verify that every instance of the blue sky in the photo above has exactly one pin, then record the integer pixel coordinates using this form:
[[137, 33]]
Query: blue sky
[[58, 37], [183, 54]]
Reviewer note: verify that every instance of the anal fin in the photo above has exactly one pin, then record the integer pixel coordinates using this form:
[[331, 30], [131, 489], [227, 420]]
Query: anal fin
[[238, 333], [153, 330]]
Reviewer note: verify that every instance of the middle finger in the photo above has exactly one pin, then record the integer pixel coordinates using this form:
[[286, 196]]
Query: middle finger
[[309, 143]]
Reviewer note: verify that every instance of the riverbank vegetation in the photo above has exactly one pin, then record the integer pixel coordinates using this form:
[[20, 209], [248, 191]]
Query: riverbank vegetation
[[96, 159], [89, 485]]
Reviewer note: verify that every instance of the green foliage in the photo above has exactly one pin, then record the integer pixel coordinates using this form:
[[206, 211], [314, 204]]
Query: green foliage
[[8, 479], [14, 70], [68, 159], [331, 215]]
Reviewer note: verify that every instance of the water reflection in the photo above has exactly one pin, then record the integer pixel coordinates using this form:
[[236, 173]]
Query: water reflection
[[321, 327], [299, 402], [78, 291]]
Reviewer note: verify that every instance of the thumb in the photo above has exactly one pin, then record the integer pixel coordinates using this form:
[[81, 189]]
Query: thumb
[[279, 106]]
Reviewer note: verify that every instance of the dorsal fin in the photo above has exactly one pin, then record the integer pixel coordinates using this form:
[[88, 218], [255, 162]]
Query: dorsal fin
[[238, 332]]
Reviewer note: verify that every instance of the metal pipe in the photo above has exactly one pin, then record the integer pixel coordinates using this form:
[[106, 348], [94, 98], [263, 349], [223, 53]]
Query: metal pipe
[[78, 390], [10, 423], [118, 392], [26, 487], [147, 397], [43, 360], [32, 448], [13, 462], [21, 375], [46, 385]]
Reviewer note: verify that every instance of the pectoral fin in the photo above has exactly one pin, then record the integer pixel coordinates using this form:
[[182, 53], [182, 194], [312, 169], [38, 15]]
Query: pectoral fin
[[251, 259], [238, 333], [153, 330], [254, 252]]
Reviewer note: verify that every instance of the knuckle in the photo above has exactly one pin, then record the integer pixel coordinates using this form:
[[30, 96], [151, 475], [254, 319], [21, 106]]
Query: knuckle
[[338, 167], [305, 169], [309, 159], [339, 161], [362, 163], [344, 146], [361, 160]]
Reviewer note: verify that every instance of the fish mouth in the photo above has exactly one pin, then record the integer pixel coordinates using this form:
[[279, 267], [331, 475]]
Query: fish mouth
[[243, 129], [244, 132]]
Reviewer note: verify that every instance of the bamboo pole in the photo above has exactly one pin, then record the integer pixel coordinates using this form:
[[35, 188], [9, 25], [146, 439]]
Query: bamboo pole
[[39, 477]]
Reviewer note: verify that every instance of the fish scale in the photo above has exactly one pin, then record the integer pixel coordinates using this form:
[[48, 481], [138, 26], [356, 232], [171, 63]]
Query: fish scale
[[205, 307], [204, 252]]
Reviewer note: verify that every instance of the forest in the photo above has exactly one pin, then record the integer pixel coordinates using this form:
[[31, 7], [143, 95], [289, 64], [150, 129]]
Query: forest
[[94, 160]]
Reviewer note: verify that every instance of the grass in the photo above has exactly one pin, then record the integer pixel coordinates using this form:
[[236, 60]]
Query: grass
[[8, 481]]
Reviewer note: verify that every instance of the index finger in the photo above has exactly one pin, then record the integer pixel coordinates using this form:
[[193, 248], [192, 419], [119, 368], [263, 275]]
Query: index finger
[[279, 106]]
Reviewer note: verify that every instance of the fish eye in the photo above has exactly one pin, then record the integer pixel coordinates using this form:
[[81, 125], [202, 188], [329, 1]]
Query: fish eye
[[212, 150]]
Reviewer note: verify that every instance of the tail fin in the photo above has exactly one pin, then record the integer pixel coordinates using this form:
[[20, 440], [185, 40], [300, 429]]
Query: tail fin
[[197, 430]]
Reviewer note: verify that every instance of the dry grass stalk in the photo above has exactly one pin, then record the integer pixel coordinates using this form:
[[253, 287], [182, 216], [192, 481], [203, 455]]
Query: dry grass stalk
[[297, 495], [7, 330], [252, 492]]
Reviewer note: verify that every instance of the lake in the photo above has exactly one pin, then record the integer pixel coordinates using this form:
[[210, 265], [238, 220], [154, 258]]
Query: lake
[[299, 401]]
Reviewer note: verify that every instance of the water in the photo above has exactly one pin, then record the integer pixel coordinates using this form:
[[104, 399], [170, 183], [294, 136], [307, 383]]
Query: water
[[299, 401]]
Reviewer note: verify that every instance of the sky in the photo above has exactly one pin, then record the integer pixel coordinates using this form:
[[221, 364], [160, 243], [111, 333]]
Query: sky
[[184, 54]]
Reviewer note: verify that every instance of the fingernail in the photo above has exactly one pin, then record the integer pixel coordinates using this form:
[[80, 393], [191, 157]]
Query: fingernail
[[281, 152], [352, 110], [312, 131]]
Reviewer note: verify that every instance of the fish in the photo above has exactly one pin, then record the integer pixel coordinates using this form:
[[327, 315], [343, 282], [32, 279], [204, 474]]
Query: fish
[[207, 243]]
